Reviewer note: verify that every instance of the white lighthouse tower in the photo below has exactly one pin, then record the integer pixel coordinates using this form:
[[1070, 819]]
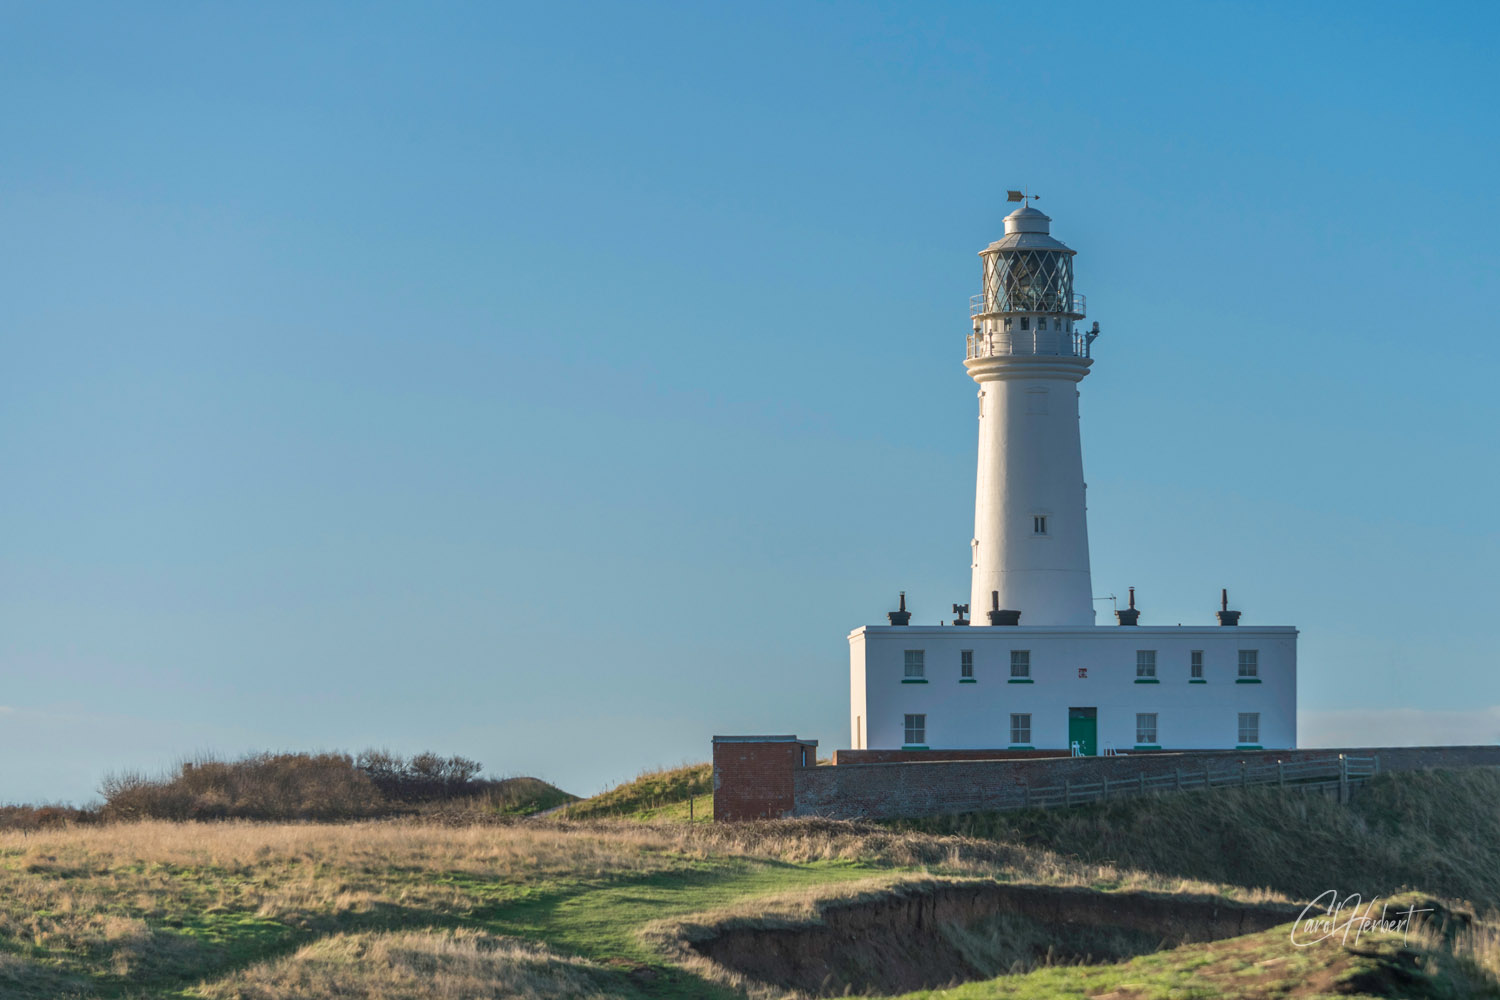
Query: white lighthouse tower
[[1042, 675], [1031, 540]]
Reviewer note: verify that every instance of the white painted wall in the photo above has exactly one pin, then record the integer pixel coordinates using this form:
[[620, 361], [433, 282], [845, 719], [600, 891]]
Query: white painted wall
[[977, 716], [858, 733], [1030, 465]]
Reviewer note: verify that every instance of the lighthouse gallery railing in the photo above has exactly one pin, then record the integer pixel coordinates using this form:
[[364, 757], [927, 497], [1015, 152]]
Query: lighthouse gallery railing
[[1046, 343]]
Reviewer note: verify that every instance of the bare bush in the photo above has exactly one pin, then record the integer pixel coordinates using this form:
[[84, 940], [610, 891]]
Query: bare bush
[[424, 777], [323, 787], [261, 786]]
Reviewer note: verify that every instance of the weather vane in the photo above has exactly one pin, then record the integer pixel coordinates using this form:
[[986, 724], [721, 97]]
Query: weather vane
[[1021, 196]]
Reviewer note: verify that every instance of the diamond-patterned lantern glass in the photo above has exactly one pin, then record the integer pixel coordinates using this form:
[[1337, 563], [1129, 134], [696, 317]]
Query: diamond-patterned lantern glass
[[1032, 281]]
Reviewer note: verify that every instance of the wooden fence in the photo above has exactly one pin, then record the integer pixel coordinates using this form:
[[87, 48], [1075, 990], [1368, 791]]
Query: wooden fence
[[1327, 776]]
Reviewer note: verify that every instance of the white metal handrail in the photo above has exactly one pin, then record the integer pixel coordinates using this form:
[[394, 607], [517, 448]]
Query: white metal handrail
[[979, 304], [1054, 343]]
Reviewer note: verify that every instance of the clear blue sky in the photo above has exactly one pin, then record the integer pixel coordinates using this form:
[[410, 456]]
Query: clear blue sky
[[558, 384]]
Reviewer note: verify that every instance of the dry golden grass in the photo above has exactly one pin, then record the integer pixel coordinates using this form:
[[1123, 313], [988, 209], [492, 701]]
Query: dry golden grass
[[159, 902], [411, 965]]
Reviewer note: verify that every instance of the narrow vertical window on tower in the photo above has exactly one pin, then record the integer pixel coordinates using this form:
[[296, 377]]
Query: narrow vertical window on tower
[[1145, 664], [1020, 663], [1249, 729], [916, 731], [1020, 729], [966, 664], [1039, 524]]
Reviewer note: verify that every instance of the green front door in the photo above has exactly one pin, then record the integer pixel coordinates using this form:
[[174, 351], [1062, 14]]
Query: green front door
[[1083, 730]]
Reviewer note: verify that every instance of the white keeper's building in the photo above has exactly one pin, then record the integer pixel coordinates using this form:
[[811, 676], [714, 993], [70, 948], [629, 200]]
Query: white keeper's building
[[1030, 669]]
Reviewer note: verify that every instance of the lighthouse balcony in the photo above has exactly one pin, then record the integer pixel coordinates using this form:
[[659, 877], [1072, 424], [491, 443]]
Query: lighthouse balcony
[[1073, 305], [1044, 343]]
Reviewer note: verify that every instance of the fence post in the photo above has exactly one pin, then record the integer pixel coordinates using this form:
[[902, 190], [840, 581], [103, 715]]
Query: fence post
[[1244, 775], [1067, 792], [1377, 765], [1142, 776], [1179, 778], [1343, 779], [690, 807], [1207, 781], [1026, 795]]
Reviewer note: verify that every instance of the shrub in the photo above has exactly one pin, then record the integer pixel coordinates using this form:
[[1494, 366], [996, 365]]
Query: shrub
[[424, 777], [323, 787], [44, 817], [261, 786]]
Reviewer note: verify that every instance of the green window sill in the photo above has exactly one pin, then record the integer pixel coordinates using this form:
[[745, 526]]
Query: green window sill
[[914, 746], [1020, 680], [1247, 680], [1249, 746], [1148, 746], [1197, 680], [1020, 746], [913, 680], [968, 680], [1148, 680]]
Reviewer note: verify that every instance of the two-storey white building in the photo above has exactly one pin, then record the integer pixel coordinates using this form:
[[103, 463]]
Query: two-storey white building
[[1032, 670]]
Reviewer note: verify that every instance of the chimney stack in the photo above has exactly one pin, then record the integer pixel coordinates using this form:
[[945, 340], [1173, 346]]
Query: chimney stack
[[1129, 616], [1226, 617], [999, 617], [902, 617]]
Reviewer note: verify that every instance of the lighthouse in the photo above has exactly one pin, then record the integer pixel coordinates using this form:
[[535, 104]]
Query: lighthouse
[[1031, 541], [1030, 670]]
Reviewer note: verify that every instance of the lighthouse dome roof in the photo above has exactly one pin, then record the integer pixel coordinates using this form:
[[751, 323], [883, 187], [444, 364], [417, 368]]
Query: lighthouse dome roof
[[1026, 219], [1027, 228]]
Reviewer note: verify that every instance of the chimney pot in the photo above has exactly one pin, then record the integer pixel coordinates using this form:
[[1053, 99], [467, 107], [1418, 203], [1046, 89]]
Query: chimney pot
[[902, 617], [1225, 616]]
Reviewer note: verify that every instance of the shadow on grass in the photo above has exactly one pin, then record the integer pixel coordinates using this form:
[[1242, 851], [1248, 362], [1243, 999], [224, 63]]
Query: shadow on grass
[[594, 918]]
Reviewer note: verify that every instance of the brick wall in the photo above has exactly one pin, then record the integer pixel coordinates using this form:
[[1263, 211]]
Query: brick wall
[[753, 775], [852, 791]]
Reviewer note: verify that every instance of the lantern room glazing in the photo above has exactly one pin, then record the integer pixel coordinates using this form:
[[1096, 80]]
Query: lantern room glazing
[[1028, 305]]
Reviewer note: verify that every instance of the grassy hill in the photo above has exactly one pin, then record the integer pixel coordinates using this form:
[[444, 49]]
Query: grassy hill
[[581, 906], [525, 796], [655, 795], [324, 787], [1434, 830]]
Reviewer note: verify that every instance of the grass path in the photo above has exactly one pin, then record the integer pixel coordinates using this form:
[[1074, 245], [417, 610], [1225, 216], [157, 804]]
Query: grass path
[[603, 921]]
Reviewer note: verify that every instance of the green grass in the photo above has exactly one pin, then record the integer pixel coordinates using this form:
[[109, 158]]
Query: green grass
[[1436, 830], [526, 796], [603, 921], [170, 910], [223, 910], [655, 795], [1255, 965]]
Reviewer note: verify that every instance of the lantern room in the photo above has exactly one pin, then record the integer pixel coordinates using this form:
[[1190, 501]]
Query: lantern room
[[1028, 305]]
